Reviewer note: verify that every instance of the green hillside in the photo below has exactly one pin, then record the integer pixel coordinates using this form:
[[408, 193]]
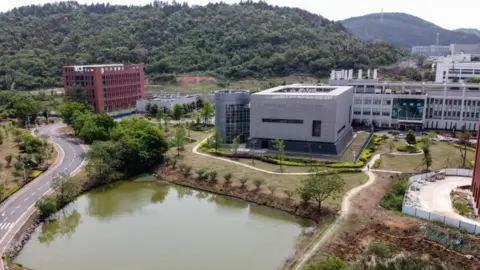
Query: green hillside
[[246, 40], [404, 30]]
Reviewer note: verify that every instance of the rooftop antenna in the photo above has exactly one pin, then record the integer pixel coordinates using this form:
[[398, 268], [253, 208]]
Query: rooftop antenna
[[437, 41], [381, 17]]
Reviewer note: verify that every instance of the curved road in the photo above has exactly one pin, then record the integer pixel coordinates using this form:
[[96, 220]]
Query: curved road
[[12, 210]]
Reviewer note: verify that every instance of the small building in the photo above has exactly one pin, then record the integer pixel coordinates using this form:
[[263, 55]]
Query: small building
[[431, 50], [456, 68], [166, 101], [465, 48], [308, 118], [232, 115], [107, 88]]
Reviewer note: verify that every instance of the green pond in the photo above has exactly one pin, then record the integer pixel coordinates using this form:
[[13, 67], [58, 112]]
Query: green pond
[[151, 226]]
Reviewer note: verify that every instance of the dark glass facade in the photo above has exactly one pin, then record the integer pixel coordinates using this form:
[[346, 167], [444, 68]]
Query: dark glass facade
[[408, 109], [237, 122]]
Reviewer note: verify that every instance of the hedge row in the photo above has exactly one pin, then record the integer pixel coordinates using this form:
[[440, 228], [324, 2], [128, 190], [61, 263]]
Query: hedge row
[[462, 147], [287, 161], [408, 149]]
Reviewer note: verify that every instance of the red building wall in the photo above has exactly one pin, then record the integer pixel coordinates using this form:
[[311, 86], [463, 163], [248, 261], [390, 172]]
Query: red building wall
[[476, 175], [106, 87]]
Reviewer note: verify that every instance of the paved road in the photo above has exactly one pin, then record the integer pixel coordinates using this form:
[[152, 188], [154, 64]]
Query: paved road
[[12, 210]]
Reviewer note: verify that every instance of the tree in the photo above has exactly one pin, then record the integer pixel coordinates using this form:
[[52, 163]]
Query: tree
[[319, 187], [217, 140], [179, 138], [207, 111], [66, 189], [391, 146], [410, 138], [177, 112], [235, 145], [69, 109], [159, 116], [253, 146], [473, 80], [148, 107], [463, 142], [280, 146], [47, 206], [2, 190], [427, 157], [395, 134]]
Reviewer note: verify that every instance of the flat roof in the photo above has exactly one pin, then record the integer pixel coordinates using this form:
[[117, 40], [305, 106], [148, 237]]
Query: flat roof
[[307, 90], [103, 65]]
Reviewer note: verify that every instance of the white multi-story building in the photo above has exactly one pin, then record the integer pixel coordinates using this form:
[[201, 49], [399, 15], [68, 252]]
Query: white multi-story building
[[456, 68], [431, 50], [412, 105]]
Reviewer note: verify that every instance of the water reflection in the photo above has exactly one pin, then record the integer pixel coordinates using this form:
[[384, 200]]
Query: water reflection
[[117, 227], [64, 225]]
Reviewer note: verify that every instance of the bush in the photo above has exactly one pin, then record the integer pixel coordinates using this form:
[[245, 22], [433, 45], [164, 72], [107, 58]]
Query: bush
[[47, 206], [243, 181], [35, 174], [393, 200], [213, 176], [11, 191], [228, 177], [377, 163], [327, 263], [201, 174], [462, 209], [359, 164], [366, 155], [408, 149], [381, 250], [258, 183]]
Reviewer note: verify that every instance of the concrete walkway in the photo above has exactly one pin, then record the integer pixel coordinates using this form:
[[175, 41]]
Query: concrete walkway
[[435, 197]]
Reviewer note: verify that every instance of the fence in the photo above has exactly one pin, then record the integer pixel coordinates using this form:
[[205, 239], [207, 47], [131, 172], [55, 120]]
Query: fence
[[409, 209]]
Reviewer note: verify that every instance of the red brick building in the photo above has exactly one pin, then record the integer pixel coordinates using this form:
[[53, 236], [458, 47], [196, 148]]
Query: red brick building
[[476, 175], [107, 88]]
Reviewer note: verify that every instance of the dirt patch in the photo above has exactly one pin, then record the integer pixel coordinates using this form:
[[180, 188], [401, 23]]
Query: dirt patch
[[192, 79], [369, 223]]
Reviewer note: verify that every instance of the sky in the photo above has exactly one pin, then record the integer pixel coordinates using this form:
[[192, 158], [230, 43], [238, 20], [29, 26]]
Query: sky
[[446, 14]]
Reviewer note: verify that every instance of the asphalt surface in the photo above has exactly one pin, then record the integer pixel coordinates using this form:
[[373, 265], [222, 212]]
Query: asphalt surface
[[12, 209]]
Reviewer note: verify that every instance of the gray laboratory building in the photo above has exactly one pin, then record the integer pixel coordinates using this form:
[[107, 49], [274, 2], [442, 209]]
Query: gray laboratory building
[[232, 115], [308, 118]]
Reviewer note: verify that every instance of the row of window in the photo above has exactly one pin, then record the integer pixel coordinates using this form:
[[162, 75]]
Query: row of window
[[284, 121]]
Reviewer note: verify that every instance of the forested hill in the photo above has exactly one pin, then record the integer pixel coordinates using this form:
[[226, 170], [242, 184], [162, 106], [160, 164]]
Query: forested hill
[[469, 30], [232, 41], [404, 30]]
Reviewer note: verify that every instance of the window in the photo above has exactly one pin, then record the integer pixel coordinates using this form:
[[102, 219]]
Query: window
[[284, 121], [358, 101], [316, 128]]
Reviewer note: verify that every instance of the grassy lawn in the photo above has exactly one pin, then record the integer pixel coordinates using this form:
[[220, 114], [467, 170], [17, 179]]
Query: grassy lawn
[[249, 84], [410, 163], [282, 182], [356, 146]]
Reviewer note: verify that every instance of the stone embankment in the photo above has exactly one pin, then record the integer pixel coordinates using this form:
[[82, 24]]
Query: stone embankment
[[17, 244]]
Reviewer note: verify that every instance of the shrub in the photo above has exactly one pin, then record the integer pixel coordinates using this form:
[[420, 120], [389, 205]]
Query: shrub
[[258, 183], [366, 155], [36, 173], [213, 176], [462, 209], [327, 263], [201, 173], [11, 191], [408, 149], [393, 200], [47, 206], [228, 177], [243, 181], [289, 193], [359, 164], [381, 250], [410, 138], [377, 163], [272, 188]]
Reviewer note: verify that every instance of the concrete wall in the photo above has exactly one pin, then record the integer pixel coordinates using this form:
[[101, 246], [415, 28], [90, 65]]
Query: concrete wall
[[334, 113], [465, 48]]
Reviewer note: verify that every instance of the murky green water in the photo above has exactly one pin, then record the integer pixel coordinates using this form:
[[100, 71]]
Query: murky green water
[[151, 226]]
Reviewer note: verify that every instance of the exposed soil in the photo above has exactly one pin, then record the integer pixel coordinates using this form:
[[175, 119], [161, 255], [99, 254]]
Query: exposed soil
[[192, 79], [369, 223]]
